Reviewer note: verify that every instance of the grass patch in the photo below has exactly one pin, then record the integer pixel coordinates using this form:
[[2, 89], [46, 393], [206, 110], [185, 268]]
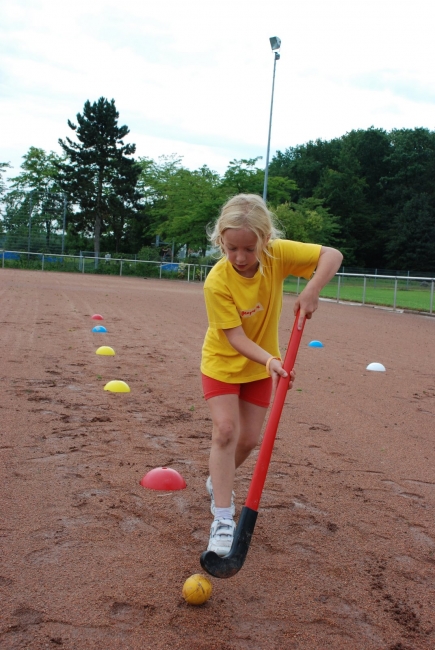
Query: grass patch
[[411, 294]]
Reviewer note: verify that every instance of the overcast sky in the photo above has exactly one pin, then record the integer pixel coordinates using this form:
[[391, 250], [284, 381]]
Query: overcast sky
[[194, 77]]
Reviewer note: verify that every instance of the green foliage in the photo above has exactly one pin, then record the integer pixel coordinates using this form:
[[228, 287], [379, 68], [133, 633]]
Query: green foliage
[[367, 179], [99, 174], [33, 207], [409, 189], [305, 164], [307, 221], [181, 201], [149, 253], [243, 176], [3, 186], [369, 193], [412, 246], [280, 190]]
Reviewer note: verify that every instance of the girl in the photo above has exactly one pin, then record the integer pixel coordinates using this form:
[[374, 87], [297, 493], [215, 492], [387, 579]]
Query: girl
[[241, 362]]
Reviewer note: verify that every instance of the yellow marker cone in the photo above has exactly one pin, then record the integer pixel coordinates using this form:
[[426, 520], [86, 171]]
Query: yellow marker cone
[[117, 386], [105, 351]]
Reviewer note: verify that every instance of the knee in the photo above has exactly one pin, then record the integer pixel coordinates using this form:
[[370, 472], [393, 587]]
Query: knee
[[247, 444], [224, 433]]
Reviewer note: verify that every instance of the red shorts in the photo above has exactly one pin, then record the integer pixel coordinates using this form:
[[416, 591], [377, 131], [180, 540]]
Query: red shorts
[[256, 392]]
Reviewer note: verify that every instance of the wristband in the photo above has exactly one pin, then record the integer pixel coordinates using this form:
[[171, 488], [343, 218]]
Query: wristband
[[268, 363]]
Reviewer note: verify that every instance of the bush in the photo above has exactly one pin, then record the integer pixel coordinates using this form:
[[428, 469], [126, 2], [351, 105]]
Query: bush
[[149, 253]]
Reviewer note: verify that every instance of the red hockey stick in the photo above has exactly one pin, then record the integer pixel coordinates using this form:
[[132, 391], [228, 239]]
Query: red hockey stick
[[229, 565]]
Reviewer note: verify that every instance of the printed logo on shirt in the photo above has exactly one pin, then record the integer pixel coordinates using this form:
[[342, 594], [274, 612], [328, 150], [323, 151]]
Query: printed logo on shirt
[[247, 313]]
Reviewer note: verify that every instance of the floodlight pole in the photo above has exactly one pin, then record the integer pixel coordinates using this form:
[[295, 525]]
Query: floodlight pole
[[275, 44]]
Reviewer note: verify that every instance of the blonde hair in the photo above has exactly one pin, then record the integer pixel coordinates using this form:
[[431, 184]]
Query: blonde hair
[[247, 211]]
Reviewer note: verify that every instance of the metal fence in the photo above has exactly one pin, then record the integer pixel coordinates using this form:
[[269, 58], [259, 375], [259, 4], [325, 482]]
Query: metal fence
[[104, 265], [398, 292]]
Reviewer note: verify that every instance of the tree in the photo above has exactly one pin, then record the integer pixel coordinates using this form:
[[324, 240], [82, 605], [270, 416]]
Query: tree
[[36, 194], [307, 221], [154, 184], [99, 176], [345, 174], [409, 192], [194, 200], [3, 186], [305, 164], [411, 166], [181, 202], [342, 189], [15, 221], [412, 246], [243, 177]]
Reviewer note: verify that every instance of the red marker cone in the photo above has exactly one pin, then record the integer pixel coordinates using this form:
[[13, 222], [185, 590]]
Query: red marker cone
[[163, 478]]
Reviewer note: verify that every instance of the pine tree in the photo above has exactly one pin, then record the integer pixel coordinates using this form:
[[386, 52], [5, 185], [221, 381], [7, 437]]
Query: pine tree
[[99, 175]]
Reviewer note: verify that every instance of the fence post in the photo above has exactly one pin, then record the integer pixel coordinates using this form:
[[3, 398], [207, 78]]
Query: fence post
[[3, 262], [395, 294], [30, 224], [431, 296], [160, 271], [338, 288], [83, 264], [188, 272], [120, 269], [42, 265], [364, 290], [297, 287], [63, 223]]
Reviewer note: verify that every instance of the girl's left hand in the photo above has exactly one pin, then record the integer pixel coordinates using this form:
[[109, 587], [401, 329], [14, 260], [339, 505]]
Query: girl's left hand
[[276, 371]]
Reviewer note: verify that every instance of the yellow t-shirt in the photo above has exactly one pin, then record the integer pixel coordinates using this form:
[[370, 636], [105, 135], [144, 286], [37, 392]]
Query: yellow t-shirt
[[255, 304]]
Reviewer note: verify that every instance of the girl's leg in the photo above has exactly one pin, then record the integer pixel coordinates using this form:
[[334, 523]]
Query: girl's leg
[[251, 423], [225, 415]]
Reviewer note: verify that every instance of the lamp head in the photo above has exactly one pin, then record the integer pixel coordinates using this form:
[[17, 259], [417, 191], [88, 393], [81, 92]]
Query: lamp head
[[275, 42]]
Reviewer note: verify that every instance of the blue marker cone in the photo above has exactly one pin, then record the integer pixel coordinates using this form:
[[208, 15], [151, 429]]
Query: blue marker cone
[[315, 344], [99, 329]]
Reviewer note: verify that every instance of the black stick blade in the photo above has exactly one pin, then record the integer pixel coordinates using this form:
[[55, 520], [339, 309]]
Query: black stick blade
[[229, 565]]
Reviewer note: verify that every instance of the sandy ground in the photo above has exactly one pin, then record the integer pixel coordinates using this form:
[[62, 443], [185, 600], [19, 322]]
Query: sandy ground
[[343, 554]]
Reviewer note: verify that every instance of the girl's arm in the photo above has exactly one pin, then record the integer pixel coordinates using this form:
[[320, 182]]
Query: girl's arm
[[240, 342], [330, 260]]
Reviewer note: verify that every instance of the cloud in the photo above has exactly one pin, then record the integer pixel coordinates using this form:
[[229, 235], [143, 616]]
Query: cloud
[[197, 76], [397, 84]]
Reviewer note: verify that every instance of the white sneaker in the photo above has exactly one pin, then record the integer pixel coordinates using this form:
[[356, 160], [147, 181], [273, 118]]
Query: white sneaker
[[209, 487], [221, 536]]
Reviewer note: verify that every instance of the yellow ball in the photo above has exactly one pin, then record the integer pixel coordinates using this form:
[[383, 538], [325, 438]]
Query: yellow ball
[[197, 589]]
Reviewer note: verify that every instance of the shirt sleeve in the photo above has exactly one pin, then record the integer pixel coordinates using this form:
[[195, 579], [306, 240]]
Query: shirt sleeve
[[297, 258], [221, 310]]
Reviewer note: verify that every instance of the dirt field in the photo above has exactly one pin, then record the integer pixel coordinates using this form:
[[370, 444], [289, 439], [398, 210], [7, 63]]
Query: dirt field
[[343, 554]]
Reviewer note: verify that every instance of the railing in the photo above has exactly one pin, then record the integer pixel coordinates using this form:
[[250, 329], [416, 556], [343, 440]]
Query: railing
[[398, 292], [105, 266]]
